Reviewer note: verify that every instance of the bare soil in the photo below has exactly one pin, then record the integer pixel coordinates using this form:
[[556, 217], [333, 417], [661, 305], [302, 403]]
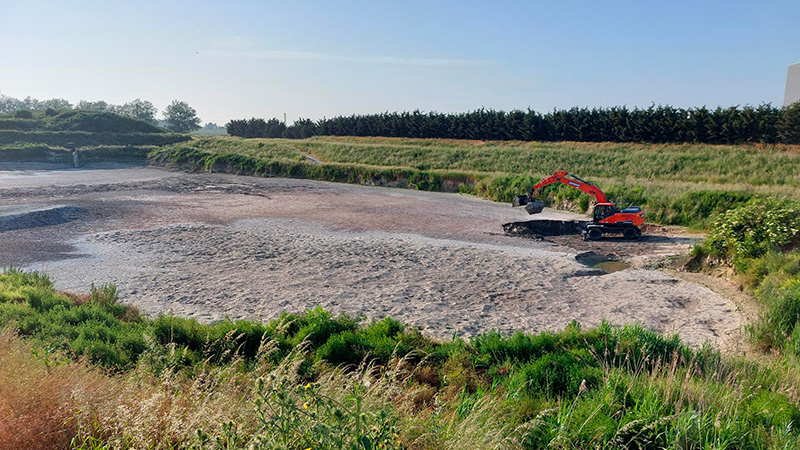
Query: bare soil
[[214, 246]]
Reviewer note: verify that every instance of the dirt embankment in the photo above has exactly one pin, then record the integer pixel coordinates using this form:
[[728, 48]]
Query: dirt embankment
[[214, 246]]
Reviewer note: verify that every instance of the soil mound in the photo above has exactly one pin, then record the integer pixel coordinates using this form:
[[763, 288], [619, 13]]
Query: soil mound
[[41, 218], [540, 228]]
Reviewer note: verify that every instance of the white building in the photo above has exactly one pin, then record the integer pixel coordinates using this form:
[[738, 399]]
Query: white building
[[792, 85]]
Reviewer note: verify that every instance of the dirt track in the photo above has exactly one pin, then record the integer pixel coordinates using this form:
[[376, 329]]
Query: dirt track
[[211, 246]]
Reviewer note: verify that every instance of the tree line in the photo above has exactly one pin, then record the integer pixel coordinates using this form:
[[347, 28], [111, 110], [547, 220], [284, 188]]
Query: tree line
[[178, 115], [272, 128], [657, 124]]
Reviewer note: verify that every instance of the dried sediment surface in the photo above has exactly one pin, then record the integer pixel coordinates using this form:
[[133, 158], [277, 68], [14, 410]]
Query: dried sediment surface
[[215, 246]]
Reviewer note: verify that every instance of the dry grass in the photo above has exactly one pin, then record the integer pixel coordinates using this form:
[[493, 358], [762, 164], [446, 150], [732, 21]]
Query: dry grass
[[40, 397], [46, 401]]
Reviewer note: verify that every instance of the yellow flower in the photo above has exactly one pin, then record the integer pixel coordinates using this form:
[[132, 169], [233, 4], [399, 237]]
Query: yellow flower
[[308, 385], [305, 405]]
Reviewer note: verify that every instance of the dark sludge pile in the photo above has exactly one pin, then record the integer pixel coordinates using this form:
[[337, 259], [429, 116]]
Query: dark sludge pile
[[538, 229], [41, 218]]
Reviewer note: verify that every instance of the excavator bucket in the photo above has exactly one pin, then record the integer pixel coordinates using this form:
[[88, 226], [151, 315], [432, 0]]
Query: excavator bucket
[[531, 206], [534, 207]]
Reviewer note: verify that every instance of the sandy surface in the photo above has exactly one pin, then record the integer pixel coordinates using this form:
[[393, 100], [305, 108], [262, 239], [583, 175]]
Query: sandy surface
[[214, 246]]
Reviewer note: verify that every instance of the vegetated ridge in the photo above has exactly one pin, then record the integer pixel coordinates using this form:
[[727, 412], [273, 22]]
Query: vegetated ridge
[[48, 136]]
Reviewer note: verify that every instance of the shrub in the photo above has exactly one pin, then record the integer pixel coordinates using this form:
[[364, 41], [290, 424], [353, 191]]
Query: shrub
[[754, 229]]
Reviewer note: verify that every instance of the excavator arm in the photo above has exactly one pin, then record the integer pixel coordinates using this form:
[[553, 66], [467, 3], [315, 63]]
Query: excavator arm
[[533, 206], [574, 181]]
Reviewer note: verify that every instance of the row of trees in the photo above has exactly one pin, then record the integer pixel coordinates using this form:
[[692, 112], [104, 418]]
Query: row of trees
[[178, 115], [658, 124], [272, 128]]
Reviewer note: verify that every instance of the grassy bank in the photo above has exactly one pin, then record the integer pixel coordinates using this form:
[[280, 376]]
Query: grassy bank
[[88, 372], [676, 184]]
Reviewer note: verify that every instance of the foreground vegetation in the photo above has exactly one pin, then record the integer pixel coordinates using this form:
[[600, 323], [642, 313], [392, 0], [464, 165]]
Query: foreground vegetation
[[682, 184], [92, 373]]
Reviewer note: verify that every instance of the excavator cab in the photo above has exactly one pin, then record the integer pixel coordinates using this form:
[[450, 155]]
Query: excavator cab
[[603, 210]]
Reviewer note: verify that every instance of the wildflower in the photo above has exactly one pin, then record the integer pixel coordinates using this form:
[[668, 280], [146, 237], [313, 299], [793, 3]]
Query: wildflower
[[305, 405], [308, 385]]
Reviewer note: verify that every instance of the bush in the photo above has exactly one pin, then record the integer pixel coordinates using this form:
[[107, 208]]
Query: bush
[[752, 230], [20, 124]]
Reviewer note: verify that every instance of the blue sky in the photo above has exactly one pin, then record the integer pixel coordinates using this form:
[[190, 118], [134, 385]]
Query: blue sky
[[241, 59]]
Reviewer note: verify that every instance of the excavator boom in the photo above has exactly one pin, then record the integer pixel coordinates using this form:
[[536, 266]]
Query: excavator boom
[[574, 181], [533, 206]]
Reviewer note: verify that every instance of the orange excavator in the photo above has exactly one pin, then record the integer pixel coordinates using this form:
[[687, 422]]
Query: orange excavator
[[605, 219]]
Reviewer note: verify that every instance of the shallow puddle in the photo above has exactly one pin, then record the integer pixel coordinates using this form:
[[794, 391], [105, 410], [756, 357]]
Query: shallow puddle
[[607, 263], [610, 266]]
